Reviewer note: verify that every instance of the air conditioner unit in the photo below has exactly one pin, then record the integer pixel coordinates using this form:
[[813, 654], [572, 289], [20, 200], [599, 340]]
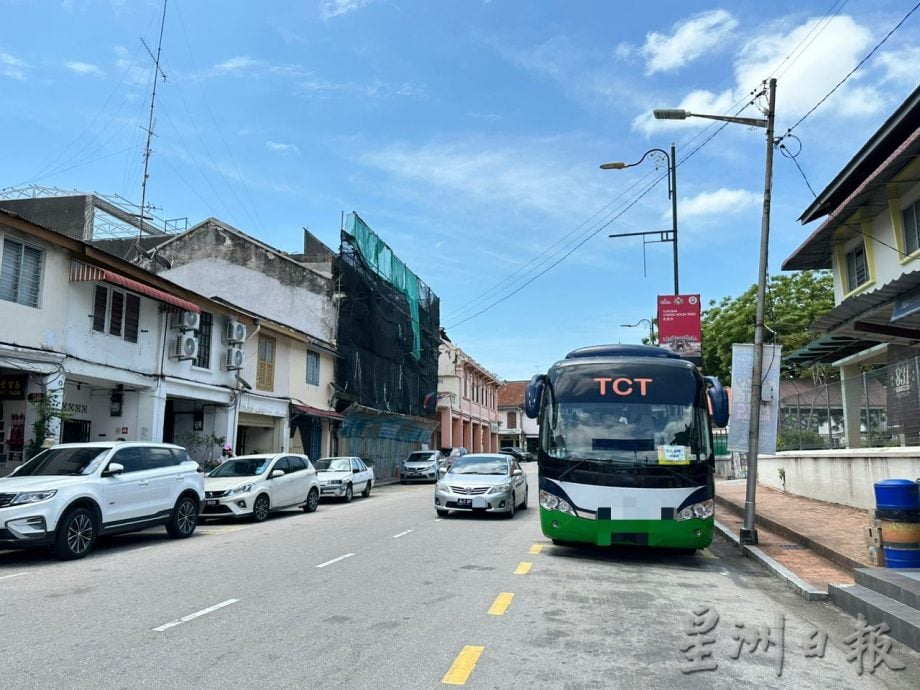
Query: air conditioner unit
[[186, 346], [233, 360], [236, 332], [186, 320]]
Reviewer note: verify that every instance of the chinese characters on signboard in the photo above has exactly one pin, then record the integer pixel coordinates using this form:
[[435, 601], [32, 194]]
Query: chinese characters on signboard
[[13, 386], [679, 326]]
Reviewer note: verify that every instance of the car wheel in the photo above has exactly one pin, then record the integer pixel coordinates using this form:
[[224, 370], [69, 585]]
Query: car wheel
[[349, 493], [510, 513], [441, 512], [312, 502], [184, 518], [76, 534], [261, 508], [367, 489]]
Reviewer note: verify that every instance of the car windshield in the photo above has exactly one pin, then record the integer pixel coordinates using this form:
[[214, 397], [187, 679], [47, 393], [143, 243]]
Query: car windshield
[[467, 465], [425, 456], [333, 465], [242, 467], [62, 461]]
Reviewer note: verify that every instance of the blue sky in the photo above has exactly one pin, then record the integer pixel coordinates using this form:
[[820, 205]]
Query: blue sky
[[467, 133]]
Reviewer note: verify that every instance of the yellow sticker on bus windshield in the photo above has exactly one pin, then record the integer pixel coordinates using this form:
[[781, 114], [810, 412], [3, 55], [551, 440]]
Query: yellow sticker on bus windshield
[[673, 455]]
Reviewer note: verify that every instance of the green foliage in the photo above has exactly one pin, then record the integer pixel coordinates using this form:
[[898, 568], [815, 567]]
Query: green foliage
[[47, 409], [799, 440], [202, 448], [793, 303]]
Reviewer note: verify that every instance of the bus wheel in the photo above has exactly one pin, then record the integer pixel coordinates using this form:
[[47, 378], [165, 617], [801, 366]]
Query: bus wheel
[[562, 542]]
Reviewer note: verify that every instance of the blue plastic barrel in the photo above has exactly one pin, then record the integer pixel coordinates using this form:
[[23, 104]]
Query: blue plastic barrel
[[897, 494], [901, 558]]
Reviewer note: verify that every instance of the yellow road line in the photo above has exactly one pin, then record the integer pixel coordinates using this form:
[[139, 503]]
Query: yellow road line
[[536, 548], [523, 568], [501, 604], [463, 666], [706, 553]]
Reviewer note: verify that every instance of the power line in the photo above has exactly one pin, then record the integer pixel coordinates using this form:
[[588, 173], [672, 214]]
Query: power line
[[813, 34]]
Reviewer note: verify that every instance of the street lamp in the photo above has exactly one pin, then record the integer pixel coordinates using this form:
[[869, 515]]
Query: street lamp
[[672, 195], [749, 530], [651, 333]]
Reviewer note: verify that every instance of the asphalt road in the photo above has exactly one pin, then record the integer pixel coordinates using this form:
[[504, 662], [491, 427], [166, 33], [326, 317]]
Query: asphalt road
[[380, 593]]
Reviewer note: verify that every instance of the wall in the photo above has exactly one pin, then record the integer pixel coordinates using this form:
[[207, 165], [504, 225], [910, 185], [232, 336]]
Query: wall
[[844, 476]]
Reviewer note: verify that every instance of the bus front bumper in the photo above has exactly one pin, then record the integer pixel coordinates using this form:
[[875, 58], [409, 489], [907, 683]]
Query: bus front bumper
[[678, 534]]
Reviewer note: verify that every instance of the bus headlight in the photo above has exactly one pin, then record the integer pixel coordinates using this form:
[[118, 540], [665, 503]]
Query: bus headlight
[[701, 511], [549, 501]]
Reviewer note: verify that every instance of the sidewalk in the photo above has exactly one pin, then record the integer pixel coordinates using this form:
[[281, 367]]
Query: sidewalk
[[817, 542]]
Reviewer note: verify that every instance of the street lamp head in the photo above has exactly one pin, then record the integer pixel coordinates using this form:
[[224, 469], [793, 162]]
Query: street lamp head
[[613, 166], [671, 114]]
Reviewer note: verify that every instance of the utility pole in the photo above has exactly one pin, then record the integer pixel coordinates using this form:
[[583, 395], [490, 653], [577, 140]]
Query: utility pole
[[749, 530], [673, 165], [157, 72]]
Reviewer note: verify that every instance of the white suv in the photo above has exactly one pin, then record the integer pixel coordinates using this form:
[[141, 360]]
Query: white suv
[[68, 495]]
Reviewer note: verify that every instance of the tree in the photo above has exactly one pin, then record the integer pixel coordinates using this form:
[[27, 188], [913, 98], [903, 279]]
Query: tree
[[794, 301], [47, 409]]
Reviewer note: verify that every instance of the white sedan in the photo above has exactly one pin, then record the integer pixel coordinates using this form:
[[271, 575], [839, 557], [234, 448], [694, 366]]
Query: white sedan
[[255, 485], [342, 477]]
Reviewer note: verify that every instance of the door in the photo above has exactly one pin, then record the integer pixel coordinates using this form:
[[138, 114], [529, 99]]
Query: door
[[282, 488], [165, 479], [520, 482], [75, 431], [127, 495], [361, 474], [300, 479]]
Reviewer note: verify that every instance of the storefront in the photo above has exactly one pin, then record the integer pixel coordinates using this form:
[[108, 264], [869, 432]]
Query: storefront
[[262, 425]]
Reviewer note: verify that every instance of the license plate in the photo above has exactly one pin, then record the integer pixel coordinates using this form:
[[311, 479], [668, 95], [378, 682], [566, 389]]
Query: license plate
[[211, 503], [464, 502]]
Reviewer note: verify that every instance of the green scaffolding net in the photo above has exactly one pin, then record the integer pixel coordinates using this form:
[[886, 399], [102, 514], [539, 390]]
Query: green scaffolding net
[[381, 259]]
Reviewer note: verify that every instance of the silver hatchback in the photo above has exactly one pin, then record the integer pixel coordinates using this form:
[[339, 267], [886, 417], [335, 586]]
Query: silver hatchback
[[482, 482]]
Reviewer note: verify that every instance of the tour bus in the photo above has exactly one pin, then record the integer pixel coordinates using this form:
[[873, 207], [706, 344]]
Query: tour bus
[[625, 453]]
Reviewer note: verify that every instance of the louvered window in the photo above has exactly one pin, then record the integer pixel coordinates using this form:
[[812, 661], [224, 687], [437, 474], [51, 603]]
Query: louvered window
[[265, 374], [117, 313], [20, 273], [911, 218], [857, 269], [132, 317], [312, 368], [205, 325]]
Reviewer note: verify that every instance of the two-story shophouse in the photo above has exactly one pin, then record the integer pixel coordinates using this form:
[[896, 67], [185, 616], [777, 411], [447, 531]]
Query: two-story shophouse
[[467, 402], [514, 427]]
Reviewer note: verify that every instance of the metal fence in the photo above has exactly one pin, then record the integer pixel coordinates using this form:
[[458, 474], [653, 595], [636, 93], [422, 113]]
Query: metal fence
[[879, 407]]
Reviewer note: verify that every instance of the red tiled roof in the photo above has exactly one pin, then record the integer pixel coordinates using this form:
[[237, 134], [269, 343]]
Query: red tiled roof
[[512, 394]]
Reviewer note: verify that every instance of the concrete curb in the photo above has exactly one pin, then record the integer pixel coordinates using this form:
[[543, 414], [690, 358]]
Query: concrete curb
[[804, 589]]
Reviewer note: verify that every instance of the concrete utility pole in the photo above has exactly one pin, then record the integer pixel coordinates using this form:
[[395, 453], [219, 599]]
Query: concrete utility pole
[[749, 530]]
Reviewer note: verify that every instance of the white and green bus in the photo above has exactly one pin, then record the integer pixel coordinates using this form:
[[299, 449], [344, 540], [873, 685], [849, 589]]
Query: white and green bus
[[625, 452]]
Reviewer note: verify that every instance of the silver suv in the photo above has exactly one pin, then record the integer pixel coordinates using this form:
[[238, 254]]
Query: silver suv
[[68, 495]]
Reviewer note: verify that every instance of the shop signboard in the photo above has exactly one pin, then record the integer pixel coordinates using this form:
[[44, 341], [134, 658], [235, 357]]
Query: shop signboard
[[13, 386]]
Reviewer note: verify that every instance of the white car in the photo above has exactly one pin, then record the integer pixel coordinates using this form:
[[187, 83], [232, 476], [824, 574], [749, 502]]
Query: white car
[[342, 477], [68, 495], [255, 485]]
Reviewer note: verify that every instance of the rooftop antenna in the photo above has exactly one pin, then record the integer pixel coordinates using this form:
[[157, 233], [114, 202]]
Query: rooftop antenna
[[158, 72]]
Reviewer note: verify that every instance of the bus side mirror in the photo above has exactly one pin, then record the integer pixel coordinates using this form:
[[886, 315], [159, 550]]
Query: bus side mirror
[[533, 396], [718, 401]]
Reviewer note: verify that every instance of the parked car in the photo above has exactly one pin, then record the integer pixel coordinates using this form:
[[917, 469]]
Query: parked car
[[422, 464], [451, 455], [518, 453], [341, 477], [69, 494], [482, 482], [255, 485]]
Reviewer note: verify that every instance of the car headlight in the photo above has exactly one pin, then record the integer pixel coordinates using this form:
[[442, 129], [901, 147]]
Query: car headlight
[[550, 501], [701, 511], [441, 486], [32, 497], [241, 489], [499, 488]]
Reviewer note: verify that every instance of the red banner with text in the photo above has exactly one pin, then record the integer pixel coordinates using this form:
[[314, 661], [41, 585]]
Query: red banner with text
[[679, 326]]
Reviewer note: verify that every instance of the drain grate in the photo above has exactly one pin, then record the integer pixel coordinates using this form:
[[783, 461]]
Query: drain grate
[[792, 547]]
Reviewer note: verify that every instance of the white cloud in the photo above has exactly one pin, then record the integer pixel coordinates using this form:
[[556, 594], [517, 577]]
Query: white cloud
[[281, 148], [900, 66], [818, 62], [718, 203], [135, 75], [83, 68], [337, 8], [690, 40], [12, 67], [235, 65]]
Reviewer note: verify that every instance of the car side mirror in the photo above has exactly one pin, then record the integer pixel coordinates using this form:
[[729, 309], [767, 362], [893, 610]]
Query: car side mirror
[[442, 470], [355, 470], [517, 473], [113, 469], [276, 473]]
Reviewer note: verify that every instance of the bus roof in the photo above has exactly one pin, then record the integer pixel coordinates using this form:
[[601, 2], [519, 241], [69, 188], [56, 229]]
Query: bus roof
[[606, 351]]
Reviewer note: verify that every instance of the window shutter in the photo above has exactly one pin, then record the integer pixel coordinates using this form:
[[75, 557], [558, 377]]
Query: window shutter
[[118, 312], [132, 317], [9, 270], [100, 302], [30, 279]]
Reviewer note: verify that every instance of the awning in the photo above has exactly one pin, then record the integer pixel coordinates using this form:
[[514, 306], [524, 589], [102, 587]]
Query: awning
[[80, 271], [316, 412], [827, 349]]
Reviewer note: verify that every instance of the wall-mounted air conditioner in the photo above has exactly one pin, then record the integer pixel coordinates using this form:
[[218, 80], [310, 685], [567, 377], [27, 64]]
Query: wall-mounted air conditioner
[[186, 320], [235, 333], [185, 347], [233, 360]]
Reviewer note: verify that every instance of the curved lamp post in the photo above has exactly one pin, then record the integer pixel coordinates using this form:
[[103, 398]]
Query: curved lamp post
[[651, 334], [748, 530], [672, 195]]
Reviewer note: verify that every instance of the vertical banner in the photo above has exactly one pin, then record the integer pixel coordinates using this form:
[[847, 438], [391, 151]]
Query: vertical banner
[[679, 326], [739, 427]]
